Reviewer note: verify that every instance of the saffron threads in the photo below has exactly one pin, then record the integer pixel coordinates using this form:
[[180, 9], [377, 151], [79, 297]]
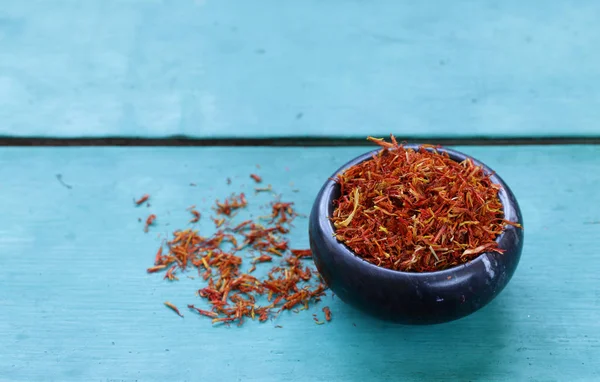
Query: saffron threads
[[219, 222], [301, 253], [195, 213], [173, 308], [231, 204], [204, 312], [141, 200], [158, 256], [262, 259], [327, 312], [234, 296], [170, 275], [156, 268], [316, 320], [417, 210], [269, 188], [149, 221], [256, 178]]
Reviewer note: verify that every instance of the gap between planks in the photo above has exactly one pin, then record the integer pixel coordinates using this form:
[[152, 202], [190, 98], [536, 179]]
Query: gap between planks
[[288, 141]]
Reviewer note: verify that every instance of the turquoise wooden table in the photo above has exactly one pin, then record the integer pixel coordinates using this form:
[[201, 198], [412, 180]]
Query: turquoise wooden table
[[76, 303], [231, 68]]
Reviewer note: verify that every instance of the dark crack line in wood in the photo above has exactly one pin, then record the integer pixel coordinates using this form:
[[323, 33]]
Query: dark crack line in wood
[[178, 141], [59, 177]]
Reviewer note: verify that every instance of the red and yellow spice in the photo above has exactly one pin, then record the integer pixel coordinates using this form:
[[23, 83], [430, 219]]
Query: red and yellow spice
[[417, 210], [232, 294], [173, 308], [141, 200], [149, 221]]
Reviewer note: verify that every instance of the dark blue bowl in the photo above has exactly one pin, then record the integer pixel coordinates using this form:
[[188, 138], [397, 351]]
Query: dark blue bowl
[[413, 298]]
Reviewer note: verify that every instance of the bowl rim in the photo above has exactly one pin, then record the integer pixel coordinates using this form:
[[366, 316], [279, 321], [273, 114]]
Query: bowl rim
[[507, 199]]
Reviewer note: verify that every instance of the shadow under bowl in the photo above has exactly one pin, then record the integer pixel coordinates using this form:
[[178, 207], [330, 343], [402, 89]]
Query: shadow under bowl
[[407, 297]]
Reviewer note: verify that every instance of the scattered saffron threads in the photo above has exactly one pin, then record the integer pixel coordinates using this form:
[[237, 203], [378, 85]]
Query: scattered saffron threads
[[256, 178], [202, 312], [141, 200], [149, 221], [231, 204], [196, 216], [316, 320], [173, 308], [156, 268], [169, 275], [242, 225], [327, 312], [301, 253], [219, 222], [262, 259], [232, 295], [158, 259], [417, 210], [269, 188]]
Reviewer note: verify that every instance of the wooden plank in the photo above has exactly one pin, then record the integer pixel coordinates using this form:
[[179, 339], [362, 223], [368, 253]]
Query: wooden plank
[[230, 68], [77, 305]]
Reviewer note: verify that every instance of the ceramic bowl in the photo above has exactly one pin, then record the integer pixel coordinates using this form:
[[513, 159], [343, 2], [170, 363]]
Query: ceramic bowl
[[413, 298]]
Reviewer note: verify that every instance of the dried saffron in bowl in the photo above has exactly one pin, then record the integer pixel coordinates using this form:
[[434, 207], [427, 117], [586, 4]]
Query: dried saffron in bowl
[[417, 210]]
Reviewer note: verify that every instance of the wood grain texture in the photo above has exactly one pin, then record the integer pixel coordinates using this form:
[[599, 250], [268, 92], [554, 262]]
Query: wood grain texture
[[77, 305], [237, 68]]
